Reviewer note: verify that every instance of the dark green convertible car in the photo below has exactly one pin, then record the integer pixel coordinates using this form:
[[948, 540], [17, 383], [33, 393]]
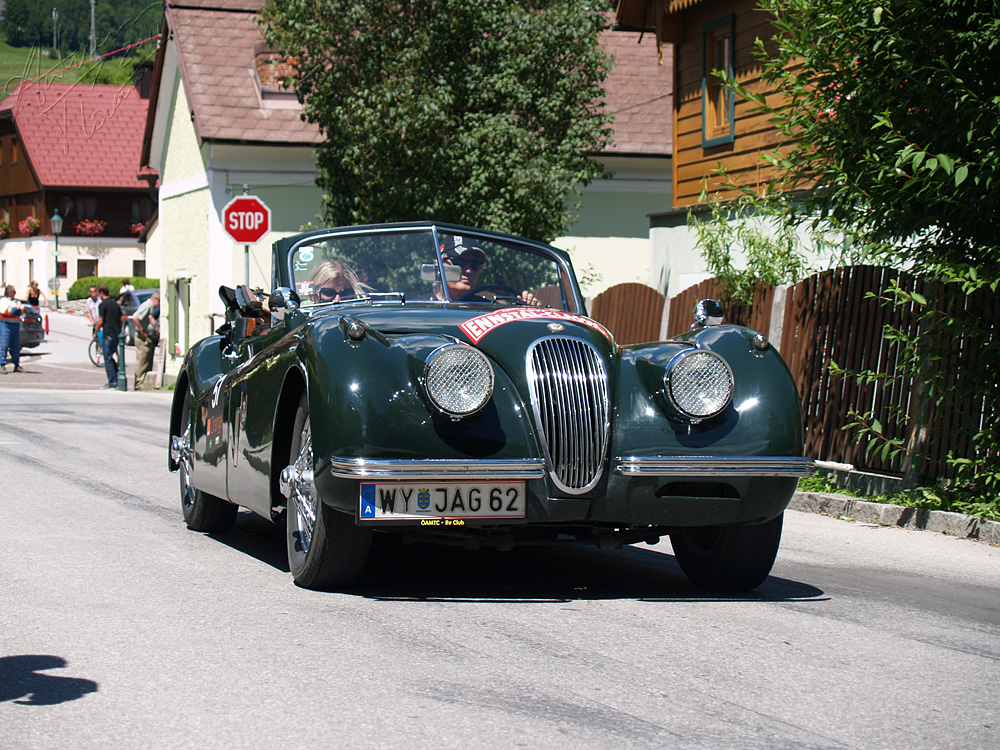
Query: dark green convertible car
[[445, 384]]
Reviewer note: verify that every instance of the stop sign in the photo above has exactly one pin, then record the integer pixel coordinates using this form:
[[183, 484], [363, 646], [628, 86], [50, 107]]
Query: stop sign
[[246, 219]]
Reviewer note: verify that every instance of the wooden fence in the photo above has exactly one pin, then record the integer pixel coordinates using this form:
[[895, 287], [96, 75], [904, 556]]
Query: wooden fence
[[829, 318]]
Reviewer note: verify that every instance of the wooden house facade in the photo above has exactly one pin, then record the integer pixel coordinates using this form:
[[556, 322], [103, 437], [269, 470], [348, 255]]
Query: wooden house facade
[[718, 139], [712, 128]]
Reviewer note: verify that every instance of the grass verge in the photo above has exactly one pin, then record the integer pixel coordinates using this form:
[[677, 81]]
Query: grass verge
[[929, 498]]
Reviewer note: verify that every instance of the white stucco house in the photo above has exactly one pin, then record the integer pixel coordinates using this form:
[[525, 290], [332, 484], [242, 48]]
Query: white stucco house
[[219, 124], [72, 150]]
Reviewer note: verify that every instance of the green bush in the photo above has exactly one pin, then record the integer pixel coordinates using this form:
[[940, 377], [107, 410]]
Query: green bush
[[80, 287]]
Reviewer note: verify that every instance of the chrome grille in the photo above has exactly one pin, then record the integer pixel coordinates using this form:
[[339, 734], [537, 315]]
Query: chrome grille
[[569, 395]]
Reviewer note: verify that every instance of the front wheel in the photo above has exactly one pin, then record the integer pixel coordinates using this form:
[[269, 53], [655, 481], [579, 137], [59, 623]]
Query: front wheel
[[727, 558], [202, 512], [326, 548], [95, 353]]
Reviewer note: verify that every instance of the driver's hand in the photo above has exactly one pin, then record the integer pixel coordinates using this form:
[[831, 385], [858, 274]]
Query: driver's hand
[[527, 298]]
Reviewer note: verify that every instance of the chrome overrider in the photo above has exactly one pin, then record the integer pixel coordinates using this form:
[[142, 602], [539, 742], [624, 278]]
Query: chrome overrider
[[180, 447], [716, 466], [448, 468]]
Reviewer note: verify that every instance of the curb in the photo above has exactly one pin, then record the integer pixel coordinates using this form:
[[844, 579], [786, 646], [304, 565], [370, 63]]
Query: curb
[[885, 514]]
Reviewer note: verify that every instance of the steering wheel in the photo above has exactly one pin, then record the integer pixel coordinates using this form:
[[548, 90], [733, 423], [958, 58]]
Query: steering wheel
[[510, 292]]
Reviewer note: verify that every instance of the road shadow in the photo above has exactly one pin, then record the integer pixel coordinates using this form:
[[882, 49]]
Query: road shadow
[[22, 681], [423, 572], [560, 573], [256, 537]]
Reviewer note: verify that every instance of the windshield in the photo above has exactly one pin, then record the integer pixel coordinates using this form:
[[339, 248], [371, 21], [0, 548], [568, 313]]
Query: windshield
[[376, 264]]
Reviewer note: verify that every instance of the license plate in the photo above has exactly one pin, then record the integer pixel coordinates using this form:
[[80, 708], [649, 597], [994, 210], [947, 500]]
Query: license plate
[[440, 504]]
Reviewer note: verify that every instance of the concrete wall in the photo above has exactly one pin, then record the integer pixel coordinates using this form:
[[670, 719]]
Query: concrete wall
[[610, 242]]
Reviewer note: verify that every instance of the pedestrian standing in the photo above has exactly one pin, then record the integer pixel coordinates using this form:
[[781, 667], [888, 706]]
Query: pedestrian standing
[[125, 288], [10, 329], [90, 308], [109, 323], [34, 295], [147, 332]]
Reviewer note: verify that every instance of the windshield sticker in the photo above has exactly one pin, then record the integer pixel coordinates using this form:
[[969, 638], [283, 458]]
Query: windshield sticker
[[476, 328], [306, 254]]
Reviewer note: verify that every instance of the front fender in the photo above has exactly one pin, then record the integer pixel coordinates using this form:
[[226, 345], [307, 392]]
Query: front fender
[[764, 418], [367, 402], [738, 467]]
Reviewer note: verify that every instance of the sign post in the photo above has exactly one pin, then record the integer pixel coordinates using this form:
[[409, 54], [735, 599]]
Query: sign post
[[246, 220]]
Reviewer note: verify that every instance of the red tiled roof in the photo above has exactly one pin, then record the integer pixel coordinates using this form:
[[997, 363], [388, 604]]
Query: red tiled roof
[[639, 93], [80, 135]]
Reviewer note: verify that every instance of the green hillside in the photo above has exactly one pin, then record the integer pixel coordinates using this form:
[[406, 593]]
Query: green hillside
[[18, 63]]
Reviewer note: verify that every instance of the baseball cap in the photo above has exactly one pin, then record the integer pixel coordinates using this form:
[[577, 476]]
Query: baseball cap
[[458, 249]]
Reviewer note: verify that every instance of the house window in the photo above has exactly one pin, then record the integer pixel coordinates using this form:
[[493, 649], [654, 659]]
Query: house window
[[13, 151], [142, 209], [61, 269], [86, 208], [138, 269], [717, 102], [86, 267]]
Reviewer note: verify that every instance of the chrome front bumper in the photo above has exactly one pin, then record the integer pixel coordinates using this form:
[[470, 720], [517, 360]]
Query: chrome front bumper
[[534, 468], [715, 466], [441, 468]]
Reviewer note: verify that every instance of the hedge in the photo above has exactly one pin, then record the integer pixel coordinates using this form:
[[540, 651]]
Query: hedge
[[80, 287]]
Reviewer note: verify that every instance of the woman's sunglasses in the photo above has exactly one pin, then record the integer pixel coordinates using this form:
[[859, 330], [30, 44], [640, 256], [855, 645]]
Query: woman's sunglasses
[[328, 293]]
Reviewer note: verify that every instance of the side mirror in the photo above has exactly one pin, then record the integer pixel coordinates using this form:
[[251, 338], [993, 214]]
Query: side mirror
[[281, 302], [708, 312], [283, 298]]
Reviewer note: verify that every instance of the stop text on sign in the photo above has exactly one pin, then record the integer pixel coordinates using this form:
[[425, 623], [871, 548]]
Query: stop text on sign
[[246, 219]]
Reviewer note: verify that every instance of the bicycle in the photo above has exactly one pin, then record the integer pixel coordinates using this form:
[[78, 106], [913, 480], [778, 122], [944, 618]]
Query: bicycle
[[96, 350]]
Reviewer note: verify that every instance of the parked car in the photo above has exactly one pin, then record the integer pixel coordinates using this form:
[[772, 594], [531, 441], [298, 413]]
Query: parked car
[[445, 384], [32, 327], [129, 303]]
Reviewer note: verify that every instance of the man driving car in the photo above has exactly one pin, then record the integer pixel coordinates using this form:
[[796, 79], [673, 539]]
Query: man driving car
[[470, 258]]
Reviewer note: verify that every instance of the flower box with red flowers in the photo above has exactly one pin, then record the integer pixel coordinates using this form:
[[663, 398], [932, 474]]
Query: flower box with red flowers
[[29, 225], [90, 227]]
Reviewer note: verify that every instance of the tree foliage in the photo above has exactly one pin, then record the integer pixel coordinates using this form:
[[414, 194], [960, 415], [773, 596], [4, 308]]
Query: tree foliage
[[894, 108], [470, 111]]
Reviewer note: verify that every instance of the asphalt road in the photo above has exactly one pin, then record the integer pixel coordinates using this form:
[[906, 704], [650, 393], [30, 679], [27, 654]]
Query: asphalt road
[[119, 627]]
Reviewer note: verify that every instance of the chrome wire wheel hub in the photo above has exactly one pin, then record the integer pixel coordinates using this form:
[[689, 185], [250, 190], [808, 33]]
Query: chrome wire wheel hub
[[180, 451], [298, 484]]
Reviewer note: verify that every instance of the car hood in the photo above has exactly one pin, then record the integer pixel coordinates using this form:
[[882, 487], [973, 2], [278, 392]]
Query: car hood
[[498, 331]]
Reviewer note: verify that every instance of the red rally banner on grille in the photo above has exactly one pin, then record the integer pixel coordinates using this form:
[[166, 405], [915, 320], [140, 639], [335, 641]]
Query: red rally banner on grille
[[476, 328]]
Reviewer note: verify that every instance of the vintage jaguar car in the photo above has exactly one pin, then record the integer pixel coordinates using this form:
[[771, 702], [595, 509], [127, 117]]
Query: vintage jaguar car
[[445, 384]]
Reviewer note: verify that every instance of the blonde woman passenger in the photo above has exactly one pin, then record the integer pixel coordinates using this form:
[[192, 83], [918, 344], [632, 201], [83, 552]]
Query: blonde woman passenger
[[333, 281]]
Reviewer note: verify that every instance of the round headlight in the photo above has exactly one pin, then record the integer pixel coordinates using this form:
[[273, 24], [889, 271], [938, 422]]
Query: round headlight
[[459, 379], [699, 383]]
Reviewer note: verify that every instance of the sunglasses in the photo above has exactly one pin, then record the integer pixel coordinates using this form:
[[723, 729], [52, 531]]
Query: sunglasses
[[472, 265], [328, 293]]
